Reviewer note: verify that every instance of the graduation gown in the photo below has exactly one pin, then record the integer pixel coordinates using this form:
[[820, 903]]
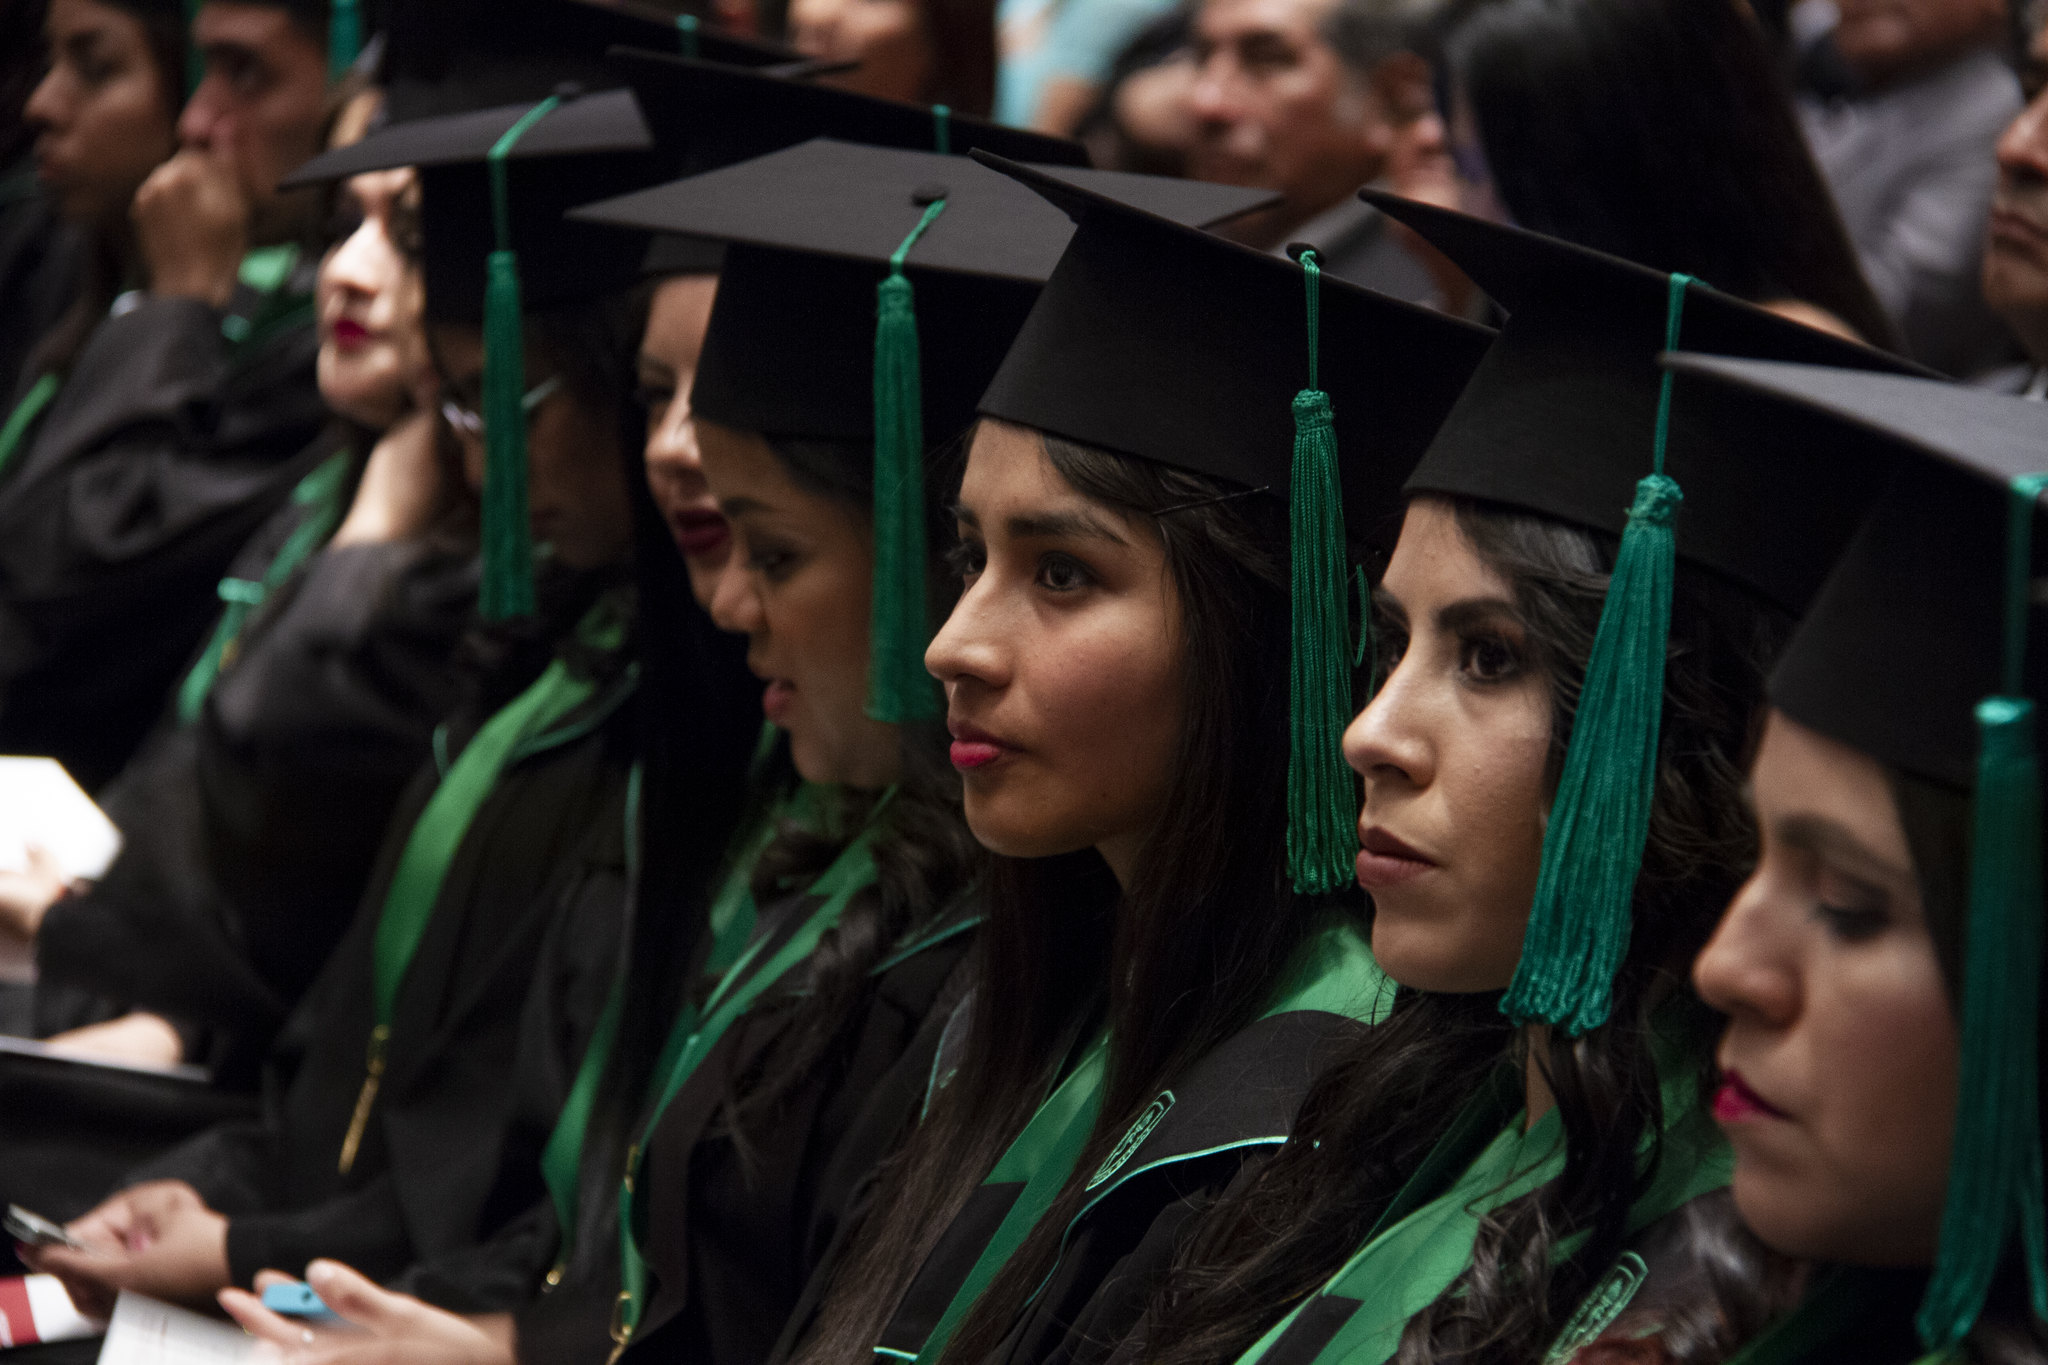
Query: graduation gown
[[543, 856], [732, 1240], [167, 447], [1234, 1106], [250, 833]]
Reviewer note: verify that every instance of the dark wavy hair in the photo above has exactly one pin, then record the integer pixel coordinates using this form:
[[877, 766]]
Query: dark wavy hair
[[1374, 1114], [1660, 131], [1176, 962]]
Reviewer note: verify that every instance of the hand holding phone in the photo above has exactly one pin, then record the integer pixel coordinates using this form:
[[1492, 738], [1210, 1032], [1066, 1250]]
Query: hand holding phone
[[297, 1300], [37, 1231]]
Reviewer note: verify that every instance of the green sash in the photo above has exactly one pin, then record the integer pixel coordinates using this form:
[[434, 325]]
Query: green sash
[[695, 1033], [32, 405], [266, 271], [320, 493], [1406, 1266], [1335, 973], [443, 823], [732, 919]]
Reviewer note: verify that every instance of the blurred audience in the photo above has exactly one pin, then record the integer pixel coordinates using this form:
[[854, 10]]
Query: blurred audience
[[172, 432], [1906, 140], [920, 51], [2016, 248], [1058, 56], [1314, 99], [1140, 120], [1657, 130]]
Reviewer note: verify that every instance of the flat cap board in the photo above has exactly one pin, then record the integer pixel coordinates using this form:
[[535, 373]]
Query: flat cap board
[[858, 202], [607, 121]]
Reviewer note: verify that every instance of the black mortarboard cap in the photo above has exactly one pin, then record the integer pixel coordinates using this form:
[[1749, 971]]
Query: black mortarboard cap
[[715, 116], [1924, 651], [867, 296], [1560, 417], [1156, 340], [450, 55]]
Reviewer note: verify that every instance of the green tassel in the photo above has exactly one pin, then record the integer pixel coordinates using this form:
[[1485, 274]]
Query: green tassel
[[1322, 794], [344, 37], [899, 687], [942, 129], [1593, 846], [195, 60], [507, 588], [686, 35], [1995, 1163]]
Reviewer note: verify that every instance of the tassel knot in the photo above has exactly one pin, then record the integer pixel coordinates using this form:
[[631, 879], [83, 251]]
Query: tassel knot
[[1657, 500]]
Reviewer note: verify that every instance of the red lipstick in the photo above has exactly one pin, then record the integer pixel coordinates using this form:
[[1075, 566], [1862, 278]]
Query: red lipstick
[[349, 334], [974, 748], [1736, 1103]]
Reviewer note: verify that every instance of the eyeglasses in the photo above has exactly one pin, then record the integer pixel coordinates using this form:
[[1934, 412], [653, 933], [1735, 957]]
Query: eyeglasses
[[467, 421]]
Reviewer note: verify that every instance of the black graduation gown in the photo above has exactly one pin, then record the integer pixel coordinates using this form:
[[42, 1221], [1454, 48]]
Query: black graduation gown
[[250, 833], [1233, 1108], [166, 449], [545, 856], [732, 1243], [40, 256]]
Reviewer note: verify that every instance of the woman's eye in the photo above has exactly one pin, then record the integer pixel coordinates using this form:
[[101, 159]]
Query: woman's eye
[[967, 559], [655, 398], [1488, 658], [772, 562], [1850, 910], [1059, 573]]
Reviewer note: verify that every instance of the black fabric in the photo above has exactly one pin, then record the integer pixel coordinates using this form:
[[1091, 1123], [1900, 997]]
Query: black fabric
[[733, 1237], [249, 835], [715, 115], [547, 847], [1158, 341], [1560, 418], [1234, 1106], [40, 258], [166, 450], [1908, 635]]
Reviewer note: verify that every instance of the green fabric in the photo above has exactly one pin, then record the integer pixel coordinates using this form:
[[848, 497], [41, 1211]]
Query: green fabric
[[899, 688], [1322, 792], [1994, 1180], [344, 37], [731, 920], [1334, 973], [320, 492], [266, 272], [1407, 1265], [1593, 843], [195, 60], [1840, 1298], [26, 413], [743, 983], [506, 591]]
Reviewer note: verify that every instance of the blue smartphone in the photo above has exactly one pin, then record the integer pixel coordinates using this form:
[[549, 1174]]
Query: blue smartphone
[[297, 1300]]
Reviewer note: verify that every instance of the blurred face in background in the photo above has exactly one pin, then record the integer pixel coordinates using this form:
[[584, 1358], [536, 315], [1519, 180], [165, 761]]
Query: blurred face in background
[[262, 104], [1886, 40], [676, 320], [2016, 253], [372, 350], [107, 114], [889, 39], [1275, 107]]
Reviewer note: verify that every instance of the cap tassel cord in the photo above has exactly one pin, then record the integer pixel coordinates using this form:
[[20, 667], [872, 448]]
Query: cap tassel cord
[[686, 36], [942, 133], [344, 37], [899, 688], [1593, 845], [507, 588], [1322, 794], [1995, 1166], [195, 60]]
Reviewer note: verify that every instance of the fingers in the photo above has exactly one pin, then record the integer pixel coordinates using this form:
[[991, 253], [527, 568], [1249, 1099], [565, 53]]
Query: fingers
[[351, 1295], [259, 1322]]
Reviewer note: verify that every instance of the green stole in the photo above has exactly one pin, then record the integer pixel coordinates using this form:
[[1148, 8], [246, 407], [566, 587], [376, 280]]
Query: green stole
[[319, 494], [522, 727], [1334, 973], [1409, 1261], [696, 1032]]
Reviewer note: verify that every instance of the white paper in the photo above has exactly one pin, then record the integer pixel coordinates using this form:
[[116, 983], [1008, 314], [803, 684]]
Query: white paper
[[35, 1047], [40, 804], [146, 1332]]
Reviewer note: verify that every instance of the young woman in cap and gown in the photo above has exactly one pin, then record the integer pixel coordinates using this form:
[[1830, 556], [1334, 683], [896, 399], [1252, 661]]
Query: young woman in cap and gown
[[1523, 1146], [388, 1134], [1158, 986], [810, 1036], [1881, 968]]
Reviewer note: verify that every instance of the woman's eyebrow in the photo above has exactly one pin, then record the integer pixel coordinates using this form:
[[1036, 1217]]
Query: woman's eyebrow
[[1476, 611], [1060, 525], [965, 515], [1818, 834]]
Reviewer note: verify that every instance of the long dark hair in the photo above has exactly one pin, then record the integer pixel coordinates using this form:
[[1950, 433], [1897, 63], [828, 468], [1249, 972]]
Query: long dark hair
[[1174, 963], [1372, 1116], [1658, 130], [925, 858]]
